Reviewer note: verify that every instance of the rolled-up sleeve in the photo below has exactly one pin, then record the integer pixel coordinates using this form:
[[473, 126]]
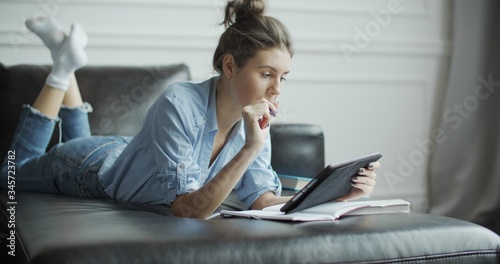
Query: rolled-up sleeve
[[259, 178], [174, 134]]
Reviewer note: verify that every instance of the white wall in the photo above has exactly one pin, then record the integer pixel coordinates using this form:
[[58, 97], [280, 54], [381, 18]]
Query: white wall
[[370, 72]]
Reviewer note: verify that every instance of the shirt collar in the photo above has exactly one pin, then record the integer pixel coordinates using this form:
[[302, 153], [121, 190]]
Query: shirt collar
[[239, 128], [212, 105]]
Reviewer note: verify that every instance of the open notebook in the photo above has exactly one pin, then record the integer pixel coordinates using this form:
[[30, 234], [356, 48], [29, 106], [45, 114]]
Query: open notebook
[[326, 211]]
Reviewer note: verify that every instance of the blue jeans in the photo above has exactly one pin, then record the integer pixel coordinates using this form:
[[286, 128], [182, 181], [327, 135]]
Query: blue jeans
[[70, 167]]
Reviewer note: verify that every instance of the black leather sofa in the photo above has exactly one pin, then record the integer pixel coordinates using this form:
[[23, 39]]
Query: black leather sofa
[[52, 228]]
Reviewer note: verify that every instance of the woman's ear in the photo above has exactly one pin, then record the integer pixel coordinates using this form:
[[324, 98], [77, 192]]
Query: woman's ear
[[228, 65]]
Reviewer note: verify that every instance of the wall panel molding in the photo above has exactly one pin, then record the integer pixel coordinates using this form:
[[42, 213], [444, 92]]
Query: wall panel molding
[[361, 80], [421, 8], [355, 80], [117, 38], [199, 4]]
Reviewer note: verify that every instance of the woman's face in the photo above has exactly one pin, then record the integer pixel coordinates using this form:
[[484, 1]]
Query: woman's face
[[262, 76]]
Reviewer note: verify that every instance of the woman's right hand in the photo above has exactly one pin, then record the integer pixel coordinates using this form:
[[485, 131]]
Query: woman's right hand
[[257, 117]]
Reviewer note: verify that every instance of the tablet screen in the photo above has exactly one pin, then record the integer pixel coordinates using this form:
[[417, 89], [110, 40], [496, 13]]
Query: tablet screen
[[331, 183]]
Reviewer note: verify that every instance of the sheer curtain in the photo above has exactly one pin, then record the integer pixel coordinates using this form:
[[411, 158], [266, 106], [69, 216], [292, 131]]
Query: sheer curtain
[[465, 167]]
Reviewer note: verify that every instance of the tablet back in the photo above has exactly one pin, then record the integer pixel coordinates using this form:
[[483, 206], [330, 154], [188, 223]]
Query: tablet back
[[331, 183]]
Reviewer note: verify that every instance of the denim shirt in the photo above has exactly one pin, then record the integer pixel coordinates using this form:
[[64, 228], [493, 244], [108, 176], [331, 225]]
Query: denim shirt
[[170, 155]]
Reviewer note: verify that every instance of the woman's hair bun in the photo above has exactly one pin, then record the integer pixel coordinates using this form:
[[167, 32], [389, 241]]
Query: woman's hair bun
[[238, 10], [249, 31]]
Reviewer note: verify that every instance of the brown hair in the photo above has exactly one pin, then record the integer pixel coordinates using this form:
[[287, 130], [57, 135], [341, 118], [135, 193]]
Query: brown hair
[[248, 31]]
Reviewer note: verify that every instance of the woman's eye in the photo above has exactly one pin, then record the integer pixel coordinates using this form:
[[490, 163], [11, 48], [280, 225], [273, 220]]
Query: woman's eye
[[282, 79], [266, 75]]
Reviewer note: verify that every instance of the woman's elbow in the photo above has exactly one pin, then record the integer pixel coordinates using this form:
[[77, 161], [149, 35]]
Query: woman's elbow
[[181, 209]]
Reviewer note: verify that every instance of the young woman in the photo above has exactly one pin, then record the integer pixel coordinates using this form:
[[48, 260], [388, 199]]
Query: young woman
[[199, 141]]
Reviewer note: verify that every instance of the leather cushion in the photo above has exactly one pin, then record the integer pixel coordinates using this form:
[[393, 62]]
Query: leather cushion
[[63, 229]]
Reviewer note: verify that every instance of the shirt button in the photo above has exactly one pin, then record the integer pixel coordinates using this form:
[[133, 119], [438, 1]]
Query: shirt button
[[182, 166]]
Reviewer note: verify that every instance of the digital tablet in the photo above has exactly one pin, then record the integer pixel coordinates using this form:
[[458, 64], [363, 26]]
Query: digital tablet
[[331, 183]]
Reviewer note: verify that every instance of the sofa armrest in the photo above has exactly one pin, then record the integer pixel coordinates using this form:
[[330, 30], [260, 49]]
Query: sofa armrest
[[297, 149]]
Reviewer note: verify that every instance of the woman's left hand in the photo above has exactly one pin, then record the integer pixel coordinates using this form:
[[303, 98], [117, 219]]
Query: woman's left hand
[[363, 182]]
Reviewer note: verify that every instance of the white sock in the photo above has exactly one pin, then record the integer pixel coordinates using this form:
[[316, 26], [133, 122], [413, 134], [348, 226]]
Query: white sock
[[70, 57], [49, 31]]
